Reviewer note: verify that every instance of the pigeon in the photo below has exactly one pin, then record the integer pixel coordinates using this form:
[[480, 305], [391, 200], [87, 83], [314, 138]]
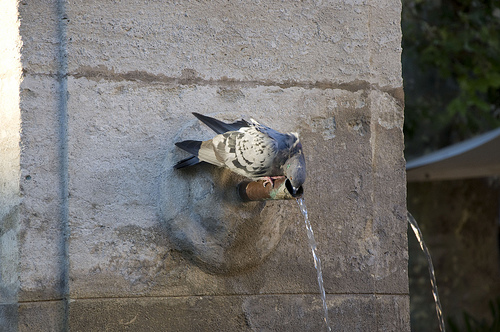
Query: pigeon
[[249, 149]]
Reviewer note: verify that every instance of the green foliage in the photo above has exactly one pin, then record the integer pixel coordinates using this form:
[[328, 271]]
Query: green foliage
[[451, 67], [475, 325]]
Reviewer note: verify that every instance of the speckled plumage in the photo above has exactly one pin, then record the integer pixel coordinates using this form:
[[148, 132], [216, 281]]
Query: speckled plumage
[[249, 149]]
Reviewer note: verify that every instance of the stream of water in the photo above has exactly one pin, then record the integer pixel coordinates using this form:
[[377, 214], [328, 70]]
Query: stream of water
[[418, 235], [317, 262]]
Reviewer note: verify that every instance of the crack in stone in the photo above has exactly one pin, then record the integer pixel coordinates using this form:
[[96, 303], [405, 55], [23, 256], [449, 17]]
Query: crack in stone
[[190, 77]]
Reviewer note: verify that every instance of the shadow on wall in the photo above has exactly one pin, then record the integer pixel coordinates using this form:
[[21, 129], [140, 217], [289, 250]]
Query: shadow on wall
[[213, 226]]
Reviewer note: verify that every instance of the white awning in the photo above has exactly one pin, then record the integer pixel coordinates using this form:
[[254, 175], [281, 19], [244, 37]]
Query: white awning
[[476, 157]]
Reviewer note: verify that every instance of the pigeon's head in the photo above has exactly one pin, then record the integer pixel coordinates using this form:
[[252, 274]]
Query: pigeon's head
[[295, 170]]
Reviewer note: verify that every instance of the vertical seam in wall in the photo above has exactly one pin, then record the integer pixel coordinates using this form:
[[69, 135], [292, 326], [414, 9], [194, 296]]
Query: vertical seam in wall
[[63, 156]]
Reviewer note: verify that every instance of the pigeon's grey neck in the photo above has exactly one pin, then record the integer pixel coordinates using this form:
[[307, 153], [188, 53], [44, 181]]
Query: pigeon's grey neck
[[287, 141]]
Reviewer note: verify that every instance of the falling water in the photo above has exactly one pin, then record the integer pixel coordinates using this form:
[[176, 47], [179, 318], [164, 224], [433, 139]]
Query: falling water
[[317, 261], [418, 235]]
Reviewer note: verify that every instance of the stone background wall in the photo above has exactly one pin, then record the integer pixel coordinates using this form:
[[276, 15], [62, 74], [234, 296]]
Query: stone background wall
[[108, 87]]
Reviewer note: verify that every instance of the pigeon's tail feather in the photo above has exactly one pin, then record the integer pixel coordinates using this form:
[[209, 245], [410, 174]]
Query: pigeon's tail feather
[[221, 127], [193, 160], [190, 146]]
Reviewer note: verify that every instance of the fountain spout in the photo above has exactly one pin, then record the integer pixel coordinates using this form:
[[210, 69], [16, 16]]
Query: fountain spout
[[256, 191]]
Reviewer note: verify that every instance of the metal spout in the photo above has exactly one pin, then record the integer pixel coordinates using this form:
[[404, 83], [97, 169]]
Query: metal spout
[[256, 191]]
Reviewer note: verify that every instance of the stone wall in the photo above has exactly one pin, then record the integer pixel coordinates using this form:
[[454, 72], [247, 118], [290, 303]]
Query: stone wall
[[109, 86]]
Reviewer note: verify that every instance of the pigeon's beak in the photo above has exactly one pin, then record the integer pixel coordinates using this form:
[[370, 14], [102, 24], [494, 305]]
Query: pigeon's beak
[[293, 191]]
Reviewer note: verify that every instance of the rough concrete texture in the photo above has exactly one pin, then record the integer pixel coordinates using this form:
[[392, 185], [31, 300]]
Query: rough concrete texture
[[241, 313], [10, 78], [271, 42], [108, 88]]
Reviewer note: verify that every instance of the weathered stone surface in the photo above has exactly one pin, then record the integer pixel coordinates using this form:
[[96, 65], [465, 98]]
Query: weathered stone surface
[[8, 316], [42, 316], [39, 32], [40, 237], [281, 42], [101, 226], [129, 246], [32, 316], [240, 313], [10, 124]]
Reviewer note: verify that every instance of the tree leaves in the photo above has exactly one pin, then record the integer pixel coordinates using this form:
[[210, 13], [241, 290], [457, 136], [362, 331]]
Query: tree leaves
[[451, 67]]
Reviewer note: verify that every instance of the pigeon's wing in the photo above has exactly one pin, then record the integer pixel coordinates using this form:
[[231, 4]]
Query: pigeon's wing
[[201, 151], [221, 127], [247, 148], [248, 152], [283, 141]]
